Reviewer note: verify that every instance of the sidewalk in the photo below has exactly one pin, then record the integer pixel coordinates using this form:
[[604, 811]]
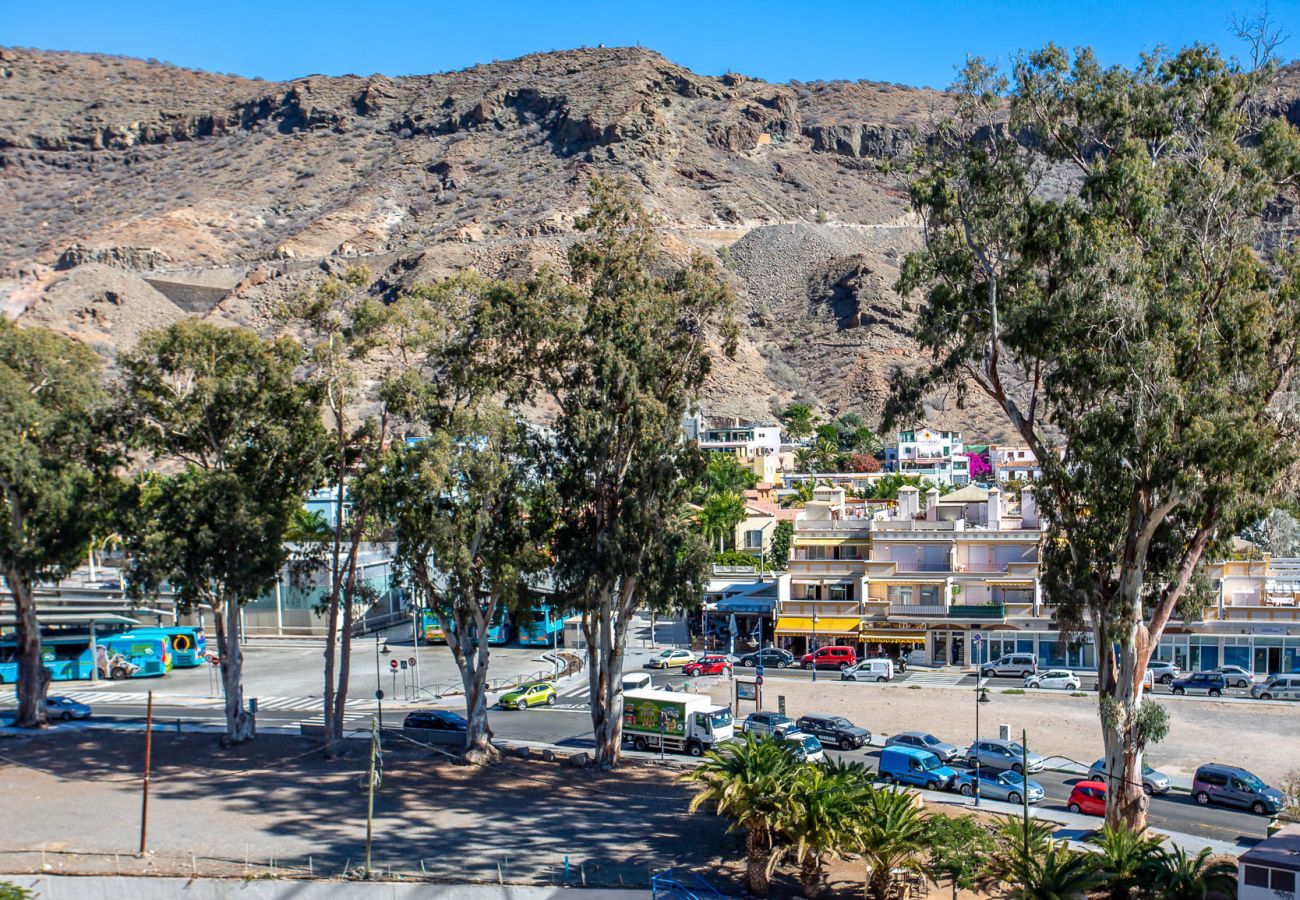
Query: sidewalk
[[65, 887]]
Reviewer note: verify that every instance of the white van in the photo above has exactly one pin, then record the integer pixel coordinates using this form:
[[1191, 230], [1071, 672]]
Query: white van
[[1277, 687], [637, 681], [870, 670]]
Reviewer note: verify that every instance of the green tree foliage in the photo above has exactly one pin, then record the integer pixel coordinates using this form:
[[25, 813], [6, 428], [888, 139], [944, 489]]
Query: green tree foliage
[[748, 782], [959, 849], [1176, 875], [798, 420], [467, 505], [825, 455], [724, 474], [828, 432], [1056, 873], [887, 487], [1126, 857], [54, 480], [459, 504], [630, 355], [782, 537], [338, 323], [719, 516], [233, 441], [1144, 317], [821, 817], [891, 836]]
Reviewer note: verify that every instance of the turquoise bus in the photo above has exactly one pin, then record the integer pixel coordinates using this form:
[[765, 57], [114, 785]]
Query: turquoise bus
[[544, 628], [189, 646], [430, 628], [500, 632], [68, 658]]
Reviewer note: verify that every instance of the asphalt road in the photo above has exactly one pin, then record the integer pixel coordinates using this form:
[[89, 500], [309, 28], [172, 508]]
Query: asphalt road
[[571, 728]]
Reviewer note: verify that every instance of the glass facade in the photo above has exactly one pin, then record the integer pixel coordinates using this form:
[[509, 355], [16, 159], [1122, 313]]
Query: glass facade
[[1261, 654]]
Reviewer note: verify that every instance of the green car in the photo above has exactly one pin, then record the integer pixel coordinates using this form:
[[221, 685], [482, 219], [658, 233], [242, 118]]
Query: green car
[[526, 695]]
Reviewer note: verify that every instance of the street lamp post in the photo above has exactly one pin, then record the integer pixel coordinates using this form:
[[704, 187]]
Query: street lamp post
[[981, 697], [814, 646]]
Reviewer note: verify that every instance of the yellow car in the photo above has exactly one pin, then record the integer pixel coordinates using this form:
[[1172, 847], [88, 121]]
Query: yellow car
[[670, 658], [535, 694]]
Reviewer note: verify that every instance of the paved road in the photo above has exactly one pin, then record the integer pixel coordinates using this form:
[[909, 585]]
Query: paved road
[[571, 728]]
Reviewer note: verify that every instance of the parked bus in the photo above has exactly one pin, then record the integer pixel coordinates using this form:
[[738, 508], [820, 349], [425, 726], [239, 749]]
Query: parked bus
[[68, 658], [430, 628], [188, 643], [500, 632], [543, 628]]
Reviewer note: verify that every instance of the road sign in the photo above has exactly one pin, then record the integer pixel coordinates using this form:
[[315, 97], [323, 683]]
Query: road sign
[[392, 663], [976, 638], [411, 662], [746, 690], [758, 680], [758, 670], [379, 695], [212, 659], [403, 665]]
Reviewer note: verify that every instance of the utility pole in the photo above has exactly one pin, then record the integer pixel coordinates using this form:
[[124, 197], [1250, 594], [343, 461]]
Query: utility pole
[[1024, 788], [148, 756], [370, 804]]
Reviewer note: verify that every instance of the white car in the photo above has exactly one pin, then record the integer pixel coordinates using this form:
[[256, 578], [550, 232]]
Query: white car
[[1061, 679], [670, 658]]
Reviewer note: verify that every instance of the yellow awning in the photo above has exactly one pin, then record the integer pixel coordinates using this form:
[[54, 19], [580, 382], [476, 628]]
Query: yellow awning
[[825, 625], [892, 637]]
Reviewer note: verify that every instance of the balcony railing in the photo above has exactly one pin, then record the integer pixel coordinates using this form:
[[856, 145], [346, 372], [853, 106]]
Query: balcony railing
[[918, 565], [938, 611], [982, 567], [977, 611]]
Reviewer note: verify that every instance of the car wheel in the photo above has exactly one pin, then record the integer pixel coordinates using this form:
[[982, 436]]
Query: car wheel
[[1215, 692], [641, 744], [1026, 674], [1178, 692], [522, 704], [1017, 768], [1013, 797], [1074, 808], [1146, 789], [781, 664], [880, 679], [932, 785], [846, 744], [886, 778], [118, 673], [694, 748], [1242, 684], [1258, 808], [965, 790], [1166, 679], [987, 673], [550, 700], [806, 665], [843, 666], [1203, 798], [67, 716], [748, 663], [1266, 696]]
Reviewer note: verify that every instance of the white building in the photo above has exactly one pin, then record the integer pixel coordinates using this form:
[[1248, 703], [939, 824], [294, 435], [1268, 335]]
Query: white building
[[756, 447], [939, 456], [1268, 871]]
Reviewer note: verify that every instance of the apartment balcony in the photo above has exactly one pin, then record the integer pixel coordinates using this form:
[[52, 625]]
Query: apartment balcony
[[914, 610], [996, 611], [841, 567], [983, 568], [913, 566], [823, 527], [965, 611]]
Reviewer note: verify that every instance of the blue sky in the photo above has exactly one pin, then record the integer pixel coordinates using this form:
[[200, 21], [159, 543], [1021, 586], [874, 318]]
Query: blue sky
[[909, 42]]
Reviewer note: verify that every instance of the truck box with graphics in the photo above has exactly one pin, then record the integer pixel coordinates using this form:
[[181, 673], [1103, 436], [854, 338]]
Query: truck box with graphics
[[689, 722]]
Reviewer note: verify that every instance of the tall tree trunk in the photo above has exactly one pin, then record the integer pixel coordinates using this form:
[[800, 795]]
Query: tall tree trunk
[[33, 677], [605, 658], [239, 724], [1120, 683], [472, 663], [758, 853], [811, 875], [345, 664], [331, 641]]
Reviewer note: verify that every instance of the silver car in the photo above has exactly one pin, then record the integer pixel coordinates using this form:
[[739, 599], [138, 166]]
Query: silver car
[[1153, 782], [921, 740], [1163, 670], [1236, 675], [1006, 786], [999, 754]]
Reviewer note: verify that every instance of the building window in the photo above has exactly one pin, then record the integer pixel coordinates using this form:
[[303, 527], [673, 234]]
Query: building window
[[900, 594], [841, 592], [930, 595], [814, 553], [754, 539], [1283, 881]]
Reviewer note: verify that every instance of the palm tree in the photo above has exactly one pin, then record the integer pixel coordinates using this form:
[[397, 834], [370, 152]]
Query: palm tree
[[891, 835], [308, 527], [1012, 844], [1056, 874], [1126, 857], [802, 458], [749, 782], [824, 454], [822, 818], [1174, 875], [720, 515]]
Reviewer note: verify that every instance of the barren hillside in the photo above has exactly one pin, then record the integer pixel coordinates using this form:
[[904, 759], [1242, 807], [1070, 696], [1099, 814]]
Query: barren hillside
[[133, 192]]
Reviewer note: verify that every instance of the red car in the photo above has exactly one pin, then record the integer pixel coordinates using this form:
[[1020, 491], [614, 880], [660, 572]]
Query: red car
[[838, 657], [708, 665], [1089, 798]]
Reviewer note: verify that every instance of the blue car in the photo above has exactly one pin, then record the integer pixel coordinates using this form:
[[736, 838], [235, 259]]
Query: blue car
[[907, 765], [1005, 786], [66, 709]]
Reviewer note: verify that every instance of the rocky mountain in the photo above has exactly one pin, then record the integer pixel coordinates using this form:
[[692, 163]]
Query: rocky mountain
[[133, 193]]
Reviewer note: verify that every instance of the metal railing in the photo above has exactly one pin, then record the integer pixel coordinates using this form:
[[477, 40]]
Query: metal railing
[[667, 884], [937, 610]]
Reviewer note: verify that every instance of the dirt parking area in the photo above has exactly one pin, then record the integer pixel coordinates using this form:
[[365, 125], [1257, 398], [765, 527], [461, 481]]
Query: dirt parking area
[[1256, 735], [276, 806]]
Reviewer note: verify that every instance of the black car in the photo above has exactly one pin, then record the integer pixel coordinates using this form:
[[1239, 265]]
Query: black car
[[834, 731], [771, 656], [436, 726], [1212, 684]]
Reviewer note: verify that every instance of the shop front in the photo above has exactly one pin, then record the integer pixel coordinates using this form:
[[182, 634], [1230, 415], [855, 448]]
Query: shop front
[[803, 634]]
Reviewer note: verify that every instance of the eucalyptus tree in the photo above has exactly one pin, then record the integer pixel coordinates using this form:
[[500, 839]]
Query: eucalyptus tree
[[55, 480], [232, 441], [633, 343], [1100, 260]]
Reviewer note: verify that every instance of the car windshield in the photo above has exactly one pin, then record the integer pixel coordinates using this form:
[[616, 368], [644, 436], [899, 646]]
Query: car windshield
[[1016, 749], [1251, 781], [930, 740], [932, 763], [1010, 778]]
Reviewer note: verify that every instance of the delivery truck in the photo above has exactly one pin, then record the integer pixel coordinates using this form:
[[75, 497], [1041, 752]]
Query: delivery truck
[[686, 723]]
